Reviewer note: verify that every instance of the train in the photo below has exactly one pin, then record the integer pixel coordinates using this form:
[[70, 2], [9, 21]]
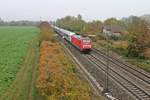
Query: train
[[82, 43]]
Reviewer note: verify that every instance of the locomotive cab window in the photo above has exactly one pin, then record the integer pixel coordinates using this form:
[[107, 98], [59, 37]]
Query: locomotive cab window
[[86, 40]]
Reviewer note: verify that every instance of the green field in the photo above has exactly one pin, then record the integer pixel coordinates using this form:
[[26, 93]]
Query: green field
[[14, 42]]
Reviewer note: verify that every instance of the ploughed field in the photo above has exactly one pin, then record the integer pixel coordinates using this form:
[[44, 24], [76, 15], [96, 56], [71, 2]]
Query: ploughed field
[[14, 43]]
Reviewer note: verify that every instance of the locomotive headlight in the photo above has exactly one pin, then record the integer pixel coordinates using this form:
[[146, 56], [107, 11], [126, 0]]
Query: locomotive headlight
[[87, 46]]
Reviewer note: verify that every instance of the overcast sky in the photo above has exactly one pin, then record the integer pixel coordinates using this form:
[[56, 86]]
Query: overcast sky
[[89, 9]]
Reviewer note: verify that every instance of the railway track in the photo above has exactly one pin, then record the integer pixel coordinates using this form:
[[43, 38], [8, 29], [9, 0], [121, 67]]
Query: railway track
[[90, 68], [139, 81], [136, 83], [131, 87], [126, 66]]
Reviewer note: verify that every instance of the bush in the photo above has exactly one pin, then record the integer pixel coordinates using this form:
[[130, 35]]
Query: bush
[[147, 53]]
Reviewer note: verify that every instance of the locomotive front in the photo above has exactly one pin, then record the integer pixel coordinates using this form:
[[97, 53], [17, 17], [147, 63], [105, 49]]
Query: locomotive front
[[86, 44]]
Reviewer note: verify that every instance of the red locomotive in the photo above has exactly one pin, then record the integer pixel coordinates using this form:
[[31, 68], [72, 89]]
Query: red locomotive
[[82, 43]]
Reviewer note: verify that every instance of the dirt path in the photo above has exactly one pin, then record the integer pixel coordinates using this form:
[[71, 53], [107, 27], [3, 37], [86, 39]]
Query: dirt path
[[23, 86]]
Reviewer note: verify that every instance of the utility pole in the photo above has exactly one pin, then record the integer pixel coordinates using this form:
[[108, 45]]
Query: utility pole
[[106, 90], [40, 19]]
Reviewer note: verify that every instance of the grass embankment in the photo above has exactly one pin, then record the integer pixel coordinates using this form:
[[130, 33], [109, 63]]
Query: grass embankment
[[58, 79], [20, 50], [120, 47]]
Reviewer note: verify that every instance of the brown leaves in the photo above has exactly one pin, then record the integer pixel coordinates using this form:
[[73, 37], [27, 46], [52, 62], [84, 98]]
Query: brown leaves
[[56, 77], [147, 53], [140, 37], [46, 31]]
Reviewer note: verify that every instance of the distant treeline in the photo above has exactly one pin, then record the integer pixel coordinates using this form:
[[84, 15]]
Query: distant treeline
[[19, 23], [77, 24]]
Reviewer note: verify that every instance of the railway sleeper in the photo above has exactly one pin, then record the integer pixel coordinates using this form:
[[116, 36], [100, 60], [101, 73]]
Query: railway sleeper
[[146, 98], [143, 95], [139, 92]]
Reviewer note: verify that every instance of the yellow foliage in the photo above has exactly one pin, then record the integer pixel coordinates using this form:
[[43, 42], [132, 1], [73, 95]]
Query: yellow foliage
[[147, 53], [57, 79], [46, 31], [120, 44]]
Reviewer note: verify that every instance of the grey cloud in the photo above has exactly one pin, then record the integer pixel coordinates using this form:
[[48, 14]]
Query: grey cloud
[[89, 9]]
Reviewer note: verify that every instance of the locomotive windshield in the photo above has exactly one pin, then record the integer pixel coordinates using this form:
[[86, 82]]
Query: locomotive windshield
[[85, 41]]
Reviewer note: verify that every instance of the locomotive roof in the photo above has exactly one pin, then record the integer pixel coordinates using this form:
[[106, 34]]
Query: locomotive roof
[[77, 36], [81, 37], [71, 33]]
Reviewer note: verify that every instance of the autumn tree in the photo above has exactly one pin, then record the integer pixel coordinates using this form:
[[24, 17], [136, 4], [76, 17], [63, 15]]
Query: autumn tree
[[92, 28], [1, 22], [113, 21], [139, 37], [79, 17], [46, 32], [71, 23]]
